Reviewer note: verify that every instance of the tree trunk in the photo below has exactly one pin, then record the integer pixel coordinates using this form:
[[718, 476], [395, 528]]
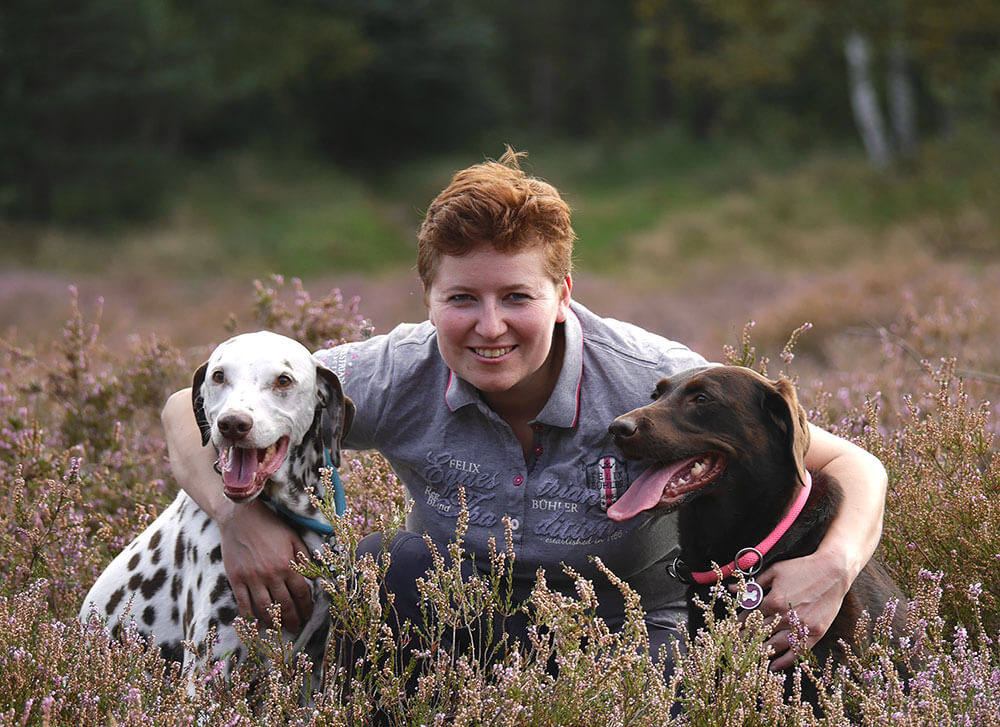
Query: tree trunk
[[543, 92], [902, 108], [864, 100]]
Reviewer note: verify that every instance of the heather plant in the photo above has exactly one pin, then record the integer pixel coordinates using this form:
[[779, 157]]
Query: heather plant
[[372, 489], [943, 511], [94, 397], [83, 470], [45, 537], [726, 663], [900, 368], [938, 446], [936, 673], [313, 323], [62, 672]]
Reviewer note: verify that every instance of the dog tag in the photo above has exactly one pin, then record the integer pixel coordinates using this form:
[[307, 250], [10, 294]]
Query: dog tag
[[751, 596]]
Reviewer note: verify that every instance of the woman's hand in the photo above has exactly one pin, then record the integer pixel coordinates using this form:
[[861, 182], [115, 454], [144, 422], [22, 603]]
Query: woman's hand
[[257, 549], [814, 587]]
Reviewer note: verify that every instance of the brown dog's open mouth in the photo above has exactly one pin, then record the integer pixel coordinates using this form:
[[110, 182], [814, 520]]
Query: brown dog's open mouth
[[245, 470], [665, 485]]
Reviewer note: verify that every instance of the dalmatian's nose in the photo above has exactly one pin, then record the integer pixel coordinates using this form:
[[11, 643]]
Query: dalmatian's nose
[[235, 426]]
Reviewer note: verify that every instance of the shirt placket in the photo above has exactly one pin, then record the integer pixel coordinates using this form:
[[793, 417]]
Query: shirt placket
[[524, 481]]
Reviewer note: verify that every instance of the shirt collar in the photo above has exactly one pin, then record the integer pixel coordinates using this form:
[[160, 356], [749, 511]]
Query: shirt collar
[[563, 406]]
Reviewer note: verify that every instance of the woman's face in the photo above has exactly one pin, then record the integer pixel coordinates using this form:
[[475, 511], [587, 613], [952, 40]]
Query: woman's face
[[495, 315]]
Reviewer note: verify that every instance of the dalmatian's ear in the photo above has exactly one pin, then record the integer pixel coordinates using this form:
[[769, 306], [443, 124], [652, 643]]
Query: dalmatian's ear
[[198, 403], [337, 411]]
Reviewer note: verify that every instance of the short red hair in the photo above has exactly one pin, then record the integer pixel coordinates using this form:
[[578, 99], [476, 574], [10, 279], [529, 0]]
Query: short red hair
[[495, 203]]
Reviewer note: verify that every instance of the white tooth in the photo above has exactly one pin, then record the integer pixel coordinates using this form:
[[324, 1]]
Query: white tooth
[[492, 352], [698, 468], [226, 458]]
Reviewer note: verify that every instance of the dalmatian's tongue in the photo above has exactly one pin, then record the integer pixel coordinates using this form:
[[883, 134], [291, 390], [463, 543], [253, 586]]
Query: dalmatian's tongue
[[245, 469], [662, 485]]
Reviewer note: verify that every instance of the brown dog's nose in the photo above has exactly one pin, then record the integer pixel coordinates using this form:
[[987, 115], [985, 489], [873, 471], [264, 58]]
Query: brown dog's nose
[[235, 426], [622, 428]]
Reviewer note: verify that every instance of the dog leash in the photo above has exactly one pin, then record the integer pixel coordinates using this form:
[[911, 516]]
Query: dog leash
[[747, 560], [339, 502]]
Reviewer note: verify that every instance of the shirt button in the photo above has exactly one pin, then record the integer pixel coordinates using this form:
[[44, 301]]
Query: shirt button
[[514, 523], [538, 451], [518, 480]]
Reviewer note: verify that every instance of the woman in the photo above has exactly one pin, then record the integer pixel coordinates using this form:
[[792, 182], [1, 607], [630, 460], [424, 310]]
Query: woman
[[507, 391]]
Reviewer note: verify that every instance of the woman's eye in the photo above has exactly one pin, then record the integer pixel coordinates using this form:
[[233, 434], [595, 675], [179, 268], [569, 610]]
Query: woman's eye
[[460, 298], [218, 377], [518, 297]]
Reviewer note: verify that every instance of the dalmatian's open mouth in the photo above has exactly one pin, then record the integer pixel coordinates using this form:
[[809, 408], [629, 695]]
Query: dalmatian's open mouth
[[245, 469]]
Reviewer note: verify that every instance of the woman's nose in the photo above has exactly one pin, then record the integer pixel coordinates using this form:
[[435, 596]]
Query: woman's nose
[[491, 323]]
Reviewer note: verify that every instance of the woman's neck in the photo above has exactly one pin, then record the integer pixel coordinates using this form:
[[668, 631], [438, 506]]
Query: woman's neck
[[521, 404]]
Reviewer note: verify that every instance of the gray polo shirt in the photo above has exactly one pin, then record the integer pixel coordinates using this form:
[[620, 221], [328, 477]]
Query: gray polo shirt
[[438, 435]]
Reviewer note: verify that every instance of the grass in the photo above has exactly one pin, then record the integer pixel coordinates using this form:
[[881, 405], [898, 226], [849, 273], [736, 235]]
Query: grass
[[659, 199]]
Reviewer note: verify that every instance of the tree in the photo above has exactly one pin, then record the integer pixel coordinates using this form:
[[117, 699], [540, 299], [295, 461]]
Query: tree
[[99, 97], [88, 96], [728, 63], [424, 81], [571, 66]]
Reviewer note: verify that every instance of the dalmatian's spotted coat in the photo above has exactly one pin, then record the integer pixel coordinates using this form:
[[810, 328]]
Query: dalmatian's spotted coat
[[269, 408]]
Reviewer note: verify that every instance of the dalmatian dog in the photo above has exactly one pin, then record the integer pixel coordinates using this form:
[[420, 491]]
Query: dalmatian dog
[[276, 416]]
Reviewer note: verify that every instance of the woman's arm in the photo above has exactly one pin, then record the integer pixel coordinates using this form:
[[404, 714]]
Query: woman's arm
[[257, 547], [815, 585]]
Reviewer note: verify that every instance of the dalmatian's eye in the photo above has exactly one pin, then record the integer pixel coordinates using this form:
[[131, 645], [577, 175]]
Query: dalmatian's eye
[[218, 376], [284, 381]]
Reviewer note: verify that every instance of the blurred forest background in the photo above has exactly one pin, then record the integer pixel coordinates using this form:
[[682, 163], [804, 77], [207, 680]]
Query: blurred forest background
[[150, 146]]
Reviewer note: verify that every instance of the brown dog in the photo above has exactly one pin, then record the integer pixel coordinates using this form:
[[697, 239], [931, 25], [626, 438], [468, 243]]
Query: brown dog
[[728, 446]]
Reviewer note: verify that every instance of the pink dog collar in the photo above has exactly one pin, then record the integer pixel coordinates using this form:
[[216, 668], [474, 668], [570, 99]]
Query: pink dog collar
[[747, 558]]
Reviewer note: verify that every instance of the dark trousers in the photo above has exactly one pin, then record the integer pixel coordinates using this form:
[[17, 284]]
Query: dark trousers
[[410, 558]]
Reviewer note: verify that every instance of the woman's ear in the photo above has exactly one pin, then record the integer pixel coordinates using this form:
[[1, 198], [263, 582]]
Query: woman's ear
[[427, 304], [564, 290]]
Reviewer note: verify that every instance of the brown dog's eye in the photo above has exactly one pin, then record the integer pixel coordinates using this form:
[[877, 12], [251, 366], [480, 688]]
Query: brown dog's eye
[[218, 377], [700, 399]]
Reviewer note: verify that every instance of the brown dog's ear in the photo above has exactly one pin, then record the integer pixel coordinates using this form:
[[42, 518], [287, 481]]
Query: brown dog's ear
[[783, 405], [198, 403], [337, 411]]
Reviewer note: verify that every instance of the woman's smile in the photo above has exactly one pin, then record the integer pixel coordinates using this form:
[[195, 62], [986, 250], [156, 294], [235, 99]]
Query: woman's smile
[[493, 353]]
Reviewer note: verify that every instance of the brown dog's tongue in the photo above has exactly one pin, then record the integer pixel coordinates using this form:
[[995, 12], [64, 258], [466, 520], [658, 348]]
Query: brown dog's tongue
[[646, 491]]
